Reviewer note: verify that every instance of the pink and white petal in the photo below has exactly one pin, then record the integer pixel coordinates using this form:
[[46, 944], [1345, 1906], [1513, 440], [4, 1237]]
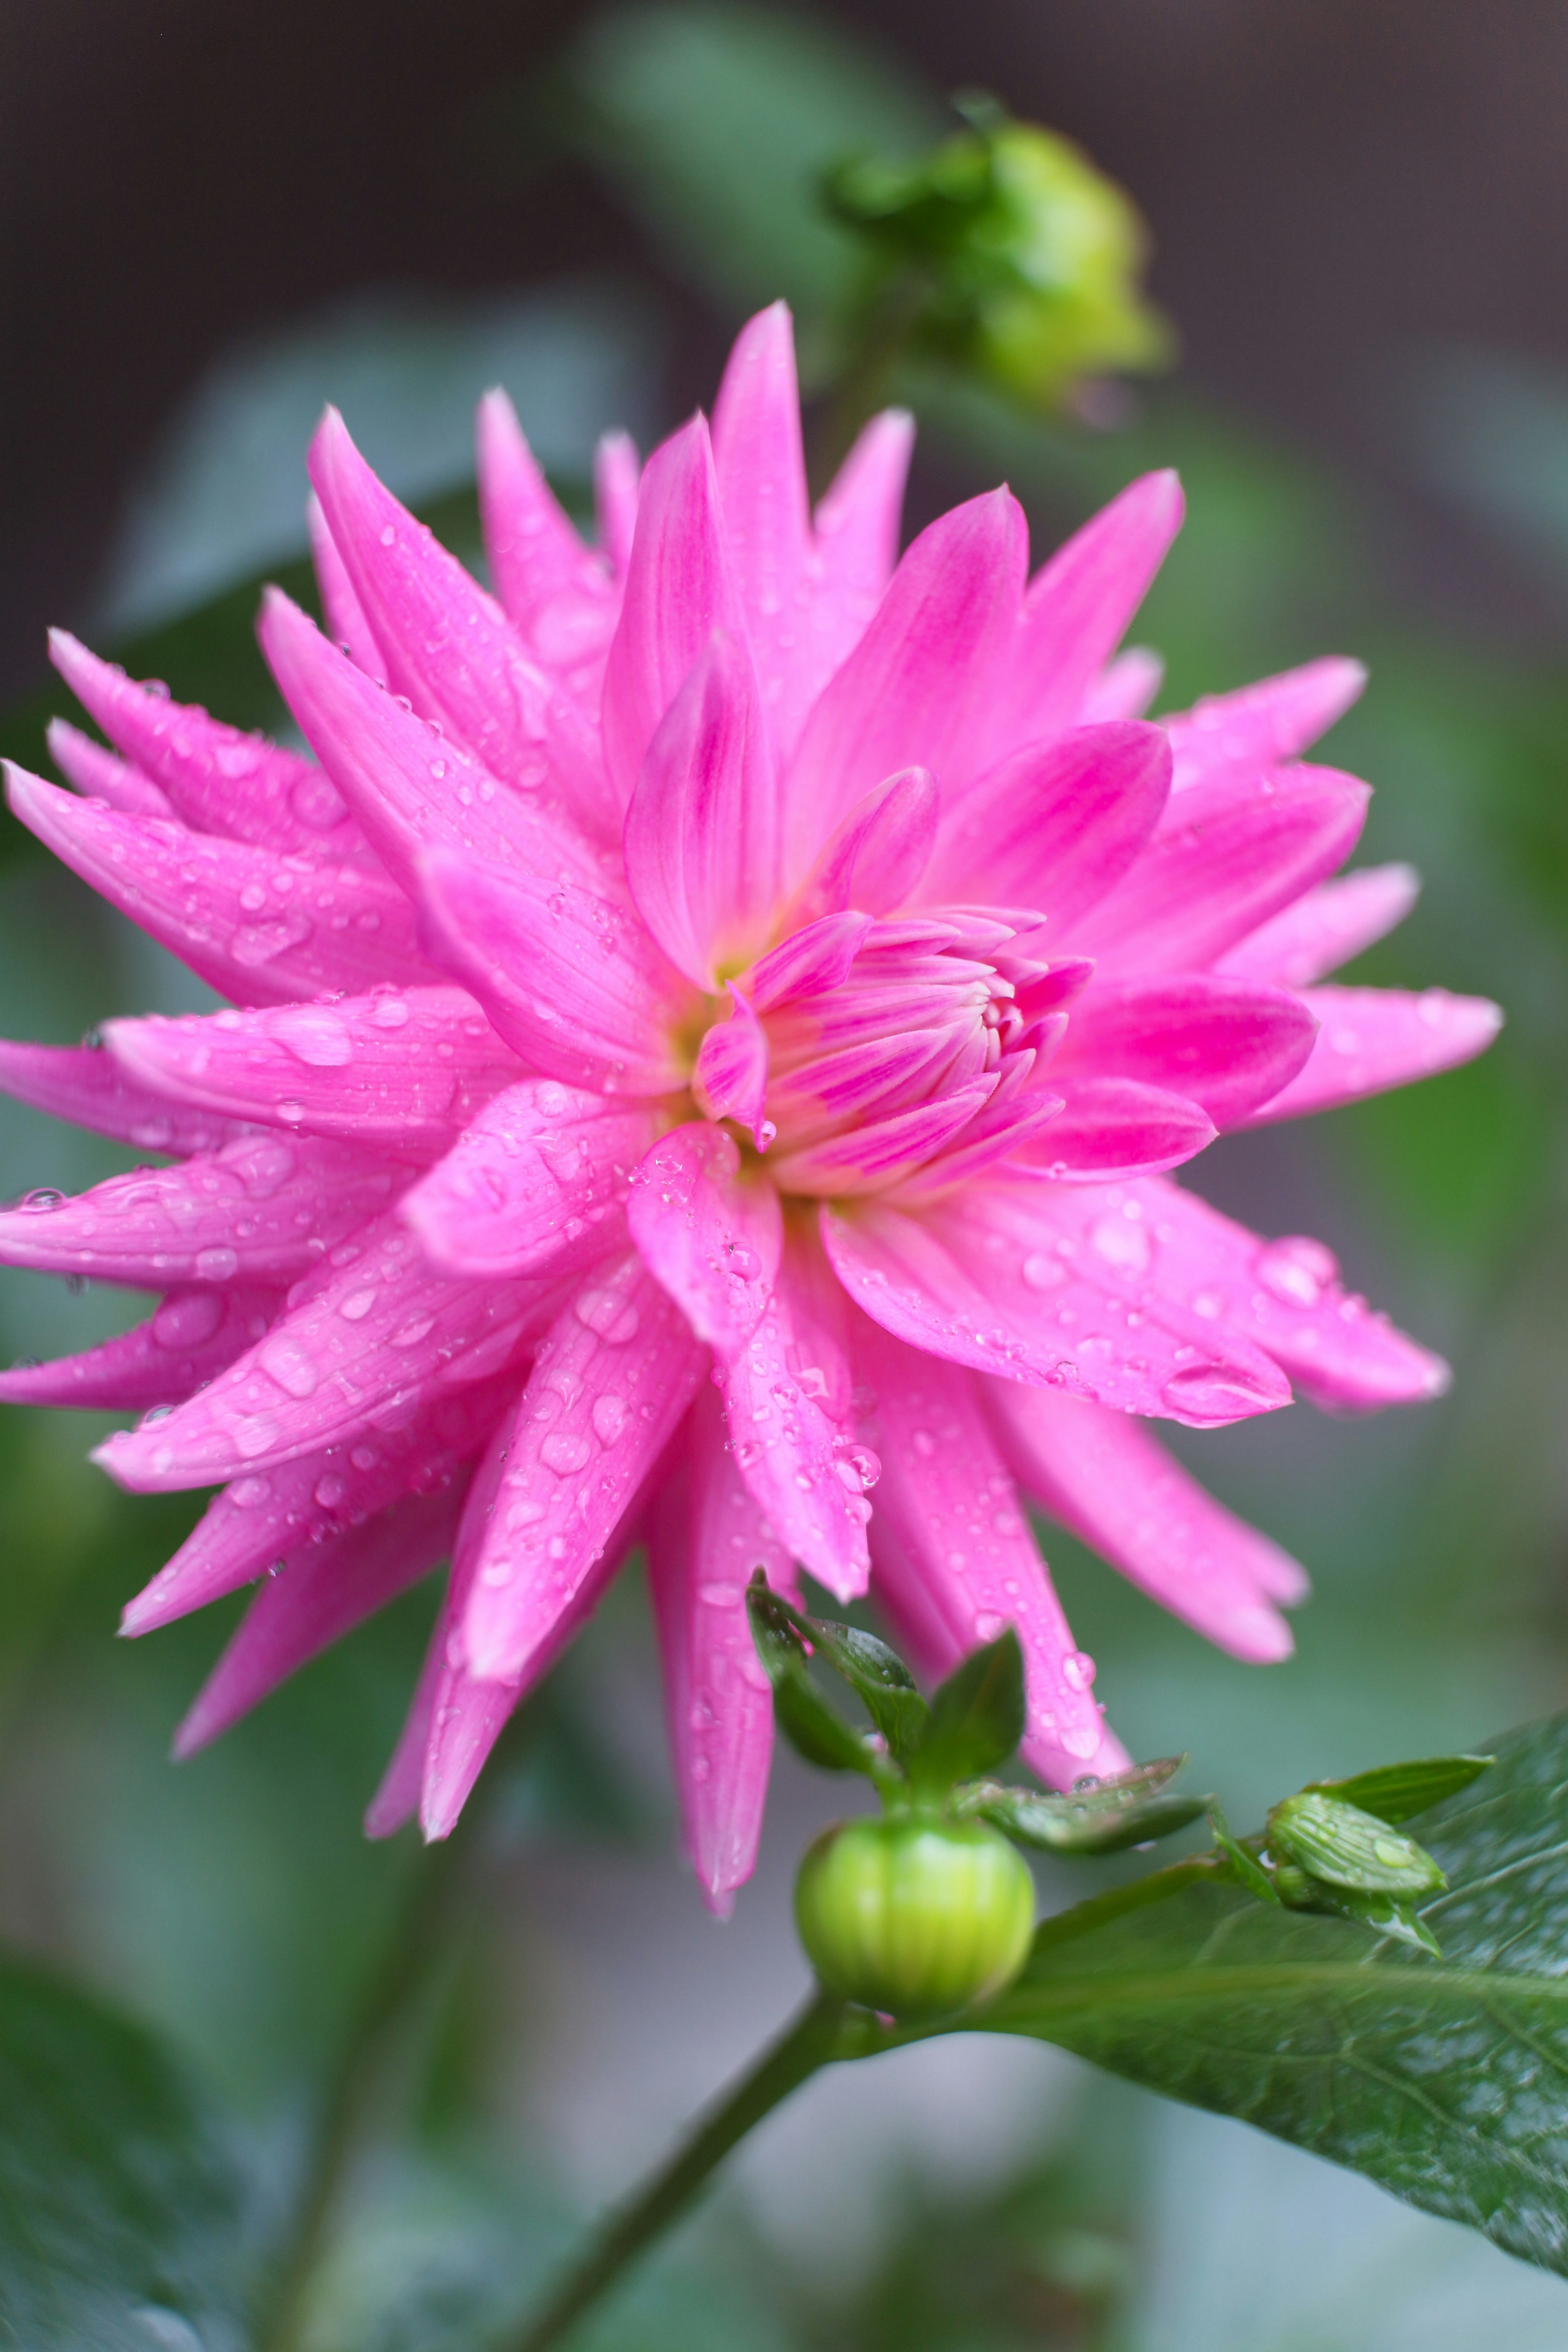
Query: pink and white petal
[[702, 835], [401, 1074], [617, 481], [535, 1183], [217, 778], [262, 929], [87, 1086], [1009, 1133], [729, 1079], [710, 1237], [1369, 1039], [194, 1335], [611, 1379], [1076, 614], [915, 687], [340, 608], [680, 587], [878, 854], [446, 644], [760, 469], [883, 1152], [855, 531], [1226, 857], [1102, 1475], [1235, 736], [261, 1210], [1228, 1046], [955, 1562], [1125, 689], [533, 550], [1109, 1128], [811, 961], [99, 776], [706, 1536], [572, 981], [314, 1602], [1325, 928], [397, 1798], [1055, 826]]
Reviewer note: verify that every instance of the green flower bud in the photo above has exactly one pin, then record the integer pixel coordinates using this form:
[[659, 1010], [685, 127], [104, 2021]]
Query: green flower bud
[[1345, 1847], [919, 1918]]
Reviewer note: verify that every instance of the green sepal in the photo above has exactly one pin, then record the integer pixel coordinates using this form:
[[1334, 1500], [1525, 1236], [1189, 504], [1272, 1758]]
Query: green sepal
[[1129, 1809], [1345, 1847], [876, 1673], [1384, 1914], [1395, 1792], [807, 1722], [1242, 1865], [976, 1720]]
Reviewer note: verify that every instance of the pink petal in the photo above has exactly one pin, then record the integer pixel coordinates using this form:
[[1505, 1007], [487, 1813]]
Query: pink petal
[[570, 980], [712, 1239], [260, 929], [1125, 689], [533, 550], [706, 1535], [98, 775], [340, 608], [731, 1076], [617, 481], [985, 1283], [1226, 857], [760, 469], [1104, 1476], [1056, 825], [218, 780], [194, 1335], [1076, 614], [1235, 736], [1325, 928], [396, 1800], [1011, 1126], [87, 1086], [857, 538], [446, 644], [409, 787], [1369, 1039], [313, 1604], [913, 690], [701, 829], [611, 1379], [1227, 1045], [402, 1072], [877, 856], [263, 1209], [535, 1184], [679, 589], [810, 961], [1116, 1127], [882, 1151], [955, 1562]]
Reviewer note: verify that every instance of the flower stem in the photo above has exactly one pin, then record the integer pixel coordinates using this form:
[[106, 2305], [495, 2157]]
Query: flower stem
[[810, 2041]]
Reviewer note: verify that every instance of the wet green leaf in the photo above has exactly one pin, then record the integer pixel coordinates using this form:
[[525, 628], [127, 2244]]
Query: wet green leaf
[[1394, 1791], [804, 1718], [1127, 1811], [976, 1720]]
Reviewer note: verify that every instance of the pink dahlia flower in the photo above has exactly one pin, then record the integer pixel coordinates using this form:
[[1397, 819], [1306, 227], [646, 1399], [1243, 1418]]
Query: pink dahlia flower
[[707, 1044]]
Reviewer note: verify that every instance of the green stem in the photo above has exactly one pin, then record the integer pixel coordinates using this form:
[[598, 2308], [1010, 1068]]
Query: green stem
[[809, 2042]]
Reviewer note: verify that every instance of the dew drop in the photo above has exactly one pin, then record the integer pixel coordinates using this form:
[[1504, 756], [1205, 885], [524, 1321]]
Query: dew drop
[[609, 1418], [216, 1265], [1077, 1670], [39, 1202], [1043, 1272], [564, 1451], [1297, 1270]]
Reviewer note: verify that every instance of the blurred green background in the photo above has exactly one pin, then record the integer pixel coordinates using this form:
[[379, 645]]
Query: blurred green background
[[574, 2001]]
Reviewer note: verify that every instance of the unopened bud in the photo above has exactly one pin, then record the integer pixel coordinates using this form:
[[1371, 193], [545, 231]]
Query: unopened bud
[[917, 1918], [1345, 1847]]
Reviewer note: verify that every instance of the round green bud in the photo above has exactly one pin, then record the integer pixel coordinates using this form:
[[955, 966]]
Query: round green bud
[[1345, 1847], [918, 1918]]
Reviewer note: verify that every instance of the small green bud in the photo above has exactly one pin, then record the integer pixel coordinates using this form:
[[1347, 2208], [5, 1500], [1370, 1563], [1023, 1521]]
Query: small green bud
[[1345, 1847], [919, 1918]]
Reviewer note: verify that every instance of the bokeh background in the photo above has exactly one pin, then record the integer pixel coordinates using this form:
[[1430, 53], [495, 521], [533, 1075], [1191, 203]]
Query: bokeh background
[[211, 220]]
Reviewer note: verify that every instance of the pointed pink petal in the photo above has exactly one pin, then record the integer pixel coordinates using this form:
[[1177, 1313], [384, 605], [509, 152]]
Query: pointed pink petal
[[1235, 736], [1010, 1126], [193, 1336], [857, 540], [263, 1209], [87, 1086], [409, 787], [811, 961], [1325, 928], [611, 1379], [1106, 1478], [396, 1800], [1226, 857], [953, 1560], [712, 1239], [218, 780], [1116, 1127], [401, 1073], [913, 690], [1125, 689], [98, 775], [1077, 612], [535, 1184], [618, 481], [1369, 1039], [731, 1076], [760, 469], [701, 838], [877, 856], [260, 929], [706, 1535], [572, 981], [1055, 826], [313, 1604], [340, 608], [883, 1151], [446, 644], [982, 1281], [789, 1404], [534, 552], [1227, 1045], [679, 588]]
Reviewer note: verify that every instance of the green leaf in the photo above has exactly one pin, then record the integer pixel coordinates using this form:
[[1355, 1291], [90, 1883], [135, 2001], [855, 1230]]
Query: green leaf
[[1389, 1914], [976, 1720], [1127, 1811], [876, 1673], [120, 2212], [1446, 2081], [1394, 1791], [1240, 1863], [804, 1718]]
